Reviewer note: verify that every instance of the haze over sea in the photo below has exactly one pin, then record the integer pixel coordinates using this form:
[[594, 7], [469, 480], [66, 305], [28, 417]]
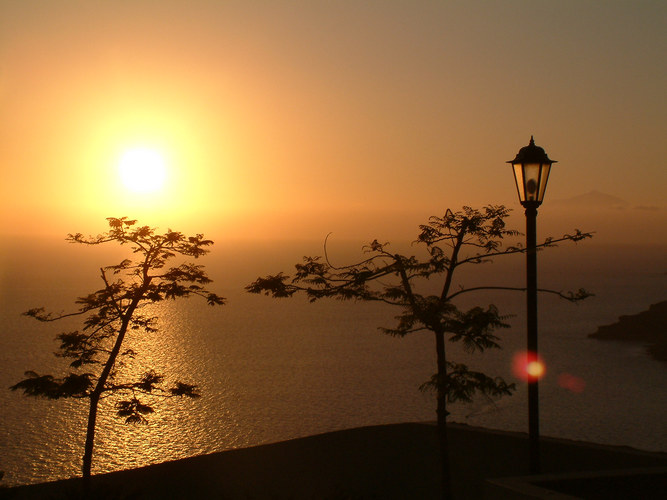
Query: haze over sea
[[271, 370]]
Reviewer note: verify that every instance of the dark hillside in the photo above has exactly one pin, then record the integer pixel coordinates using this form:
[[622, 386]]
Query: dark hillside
[[648, 327]]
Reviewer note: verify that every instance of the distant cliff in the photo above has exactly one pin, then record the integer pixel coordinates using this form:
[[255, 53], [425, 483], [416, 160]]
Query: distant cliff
[[648, 327]]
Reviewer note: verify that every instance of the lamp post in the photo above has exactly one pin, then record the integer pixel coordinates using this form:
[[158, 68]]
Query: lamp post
[[531, 173]]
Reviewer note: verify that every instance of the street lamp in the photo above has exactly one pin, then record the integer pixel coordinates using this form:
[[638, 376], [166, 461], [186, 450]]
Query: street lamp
[[531, 173]]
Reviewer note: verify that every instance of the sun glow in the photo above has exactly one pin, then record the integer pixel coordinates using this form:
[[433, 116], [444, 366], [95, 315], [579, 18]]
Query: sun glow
[[142, 170], [153, 164]]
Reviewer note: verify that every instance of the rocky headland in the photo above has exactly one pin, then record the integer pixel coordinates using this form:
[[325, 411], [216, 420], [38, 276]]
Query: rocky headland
[[647, 327]]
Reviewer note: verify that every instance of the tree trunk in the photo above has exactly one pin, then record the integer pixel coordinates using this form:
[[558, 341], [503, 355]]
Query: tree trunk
[[90, 440], [442, 417], [99, 389]]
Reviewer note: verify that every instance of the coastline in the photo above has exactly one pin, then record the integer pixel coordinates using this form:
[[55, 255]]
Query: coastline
[[384, 461], [646, 327]]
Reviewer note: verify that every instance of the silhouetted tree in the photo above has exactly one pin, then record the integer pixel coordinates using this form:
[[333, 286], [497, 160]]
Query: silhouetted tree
[[469, 236], [114, 311]]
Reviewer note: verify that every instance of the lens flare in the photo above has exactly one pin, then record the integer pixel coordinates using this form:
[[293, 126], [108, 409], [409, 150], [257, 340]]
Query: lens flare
[[535, 369], [528, 366], [571, 382]]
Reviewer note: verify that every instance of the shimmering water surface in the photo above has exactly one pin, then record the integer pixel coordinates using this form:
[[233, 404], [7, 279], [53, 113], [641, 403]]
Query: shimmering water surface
[[271, 370]]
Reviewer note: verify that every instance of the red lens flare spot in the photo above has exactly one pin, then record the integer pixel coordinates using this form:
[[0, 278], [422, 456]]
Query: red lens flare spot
[[571, 383], [535, 369], [528, 366]]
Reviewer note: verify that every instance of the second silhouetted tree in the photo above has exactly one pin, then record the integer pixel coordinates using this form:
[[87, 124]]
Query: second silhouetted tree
[[458, 238]]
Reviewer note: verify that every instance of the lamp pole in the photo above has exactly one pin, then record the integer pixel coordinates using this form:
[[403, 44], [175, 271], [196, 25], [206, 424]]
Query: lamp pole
[[531, 317], [531, 173]]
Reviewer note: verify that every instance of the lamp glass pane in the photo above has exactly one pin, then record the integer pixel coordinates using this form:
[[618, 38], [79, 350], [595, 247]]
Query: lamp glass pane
[[544, 177], [531, 181], [518, 177]]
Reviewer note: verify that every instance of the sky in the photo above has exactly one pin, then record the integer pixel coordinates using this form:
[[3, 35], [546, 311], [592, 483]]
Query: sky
[[291, 119]]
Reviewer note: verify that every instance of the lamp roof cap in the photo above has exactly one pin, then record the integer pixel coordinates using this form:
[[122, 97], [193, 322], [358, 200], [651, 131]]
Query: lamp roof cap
[[531, 154]]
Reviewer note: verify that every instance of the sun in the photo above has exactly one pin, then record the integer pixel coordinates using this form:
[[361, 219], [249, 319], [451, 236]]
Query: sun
[[142, 170]]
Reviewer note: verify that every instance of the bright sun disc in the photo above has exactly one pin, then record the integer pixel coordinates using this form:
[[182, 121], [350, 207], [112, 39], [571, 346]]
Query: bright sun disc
[[142, 170]]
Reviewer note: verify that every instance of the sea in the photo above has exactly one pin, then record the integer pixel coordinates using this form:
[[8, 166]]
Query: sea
[[277, 369]]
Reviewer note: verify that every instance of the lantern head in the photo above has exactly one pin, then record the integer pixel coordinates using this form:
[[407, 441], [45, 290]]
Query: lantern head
[[531, 173]]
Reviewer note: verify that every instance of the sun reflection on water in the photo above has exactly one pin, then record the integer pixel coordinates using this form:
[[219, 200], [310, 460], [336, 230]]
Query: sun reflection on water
[[175, 430]]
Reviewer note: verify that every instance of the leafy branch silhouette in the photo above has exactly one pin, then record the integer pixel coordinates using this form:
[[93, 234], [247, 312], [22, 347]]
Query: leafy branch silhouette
[[109, 314]]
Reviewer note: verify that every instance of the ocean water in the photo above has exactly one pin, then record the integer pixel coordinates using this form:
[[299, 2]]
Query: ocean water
[[271, 370]]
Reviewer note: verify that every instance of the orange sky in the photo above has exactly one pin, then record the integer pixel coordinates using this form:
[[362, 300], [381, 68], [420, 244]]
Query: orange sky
[[291, 119]]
